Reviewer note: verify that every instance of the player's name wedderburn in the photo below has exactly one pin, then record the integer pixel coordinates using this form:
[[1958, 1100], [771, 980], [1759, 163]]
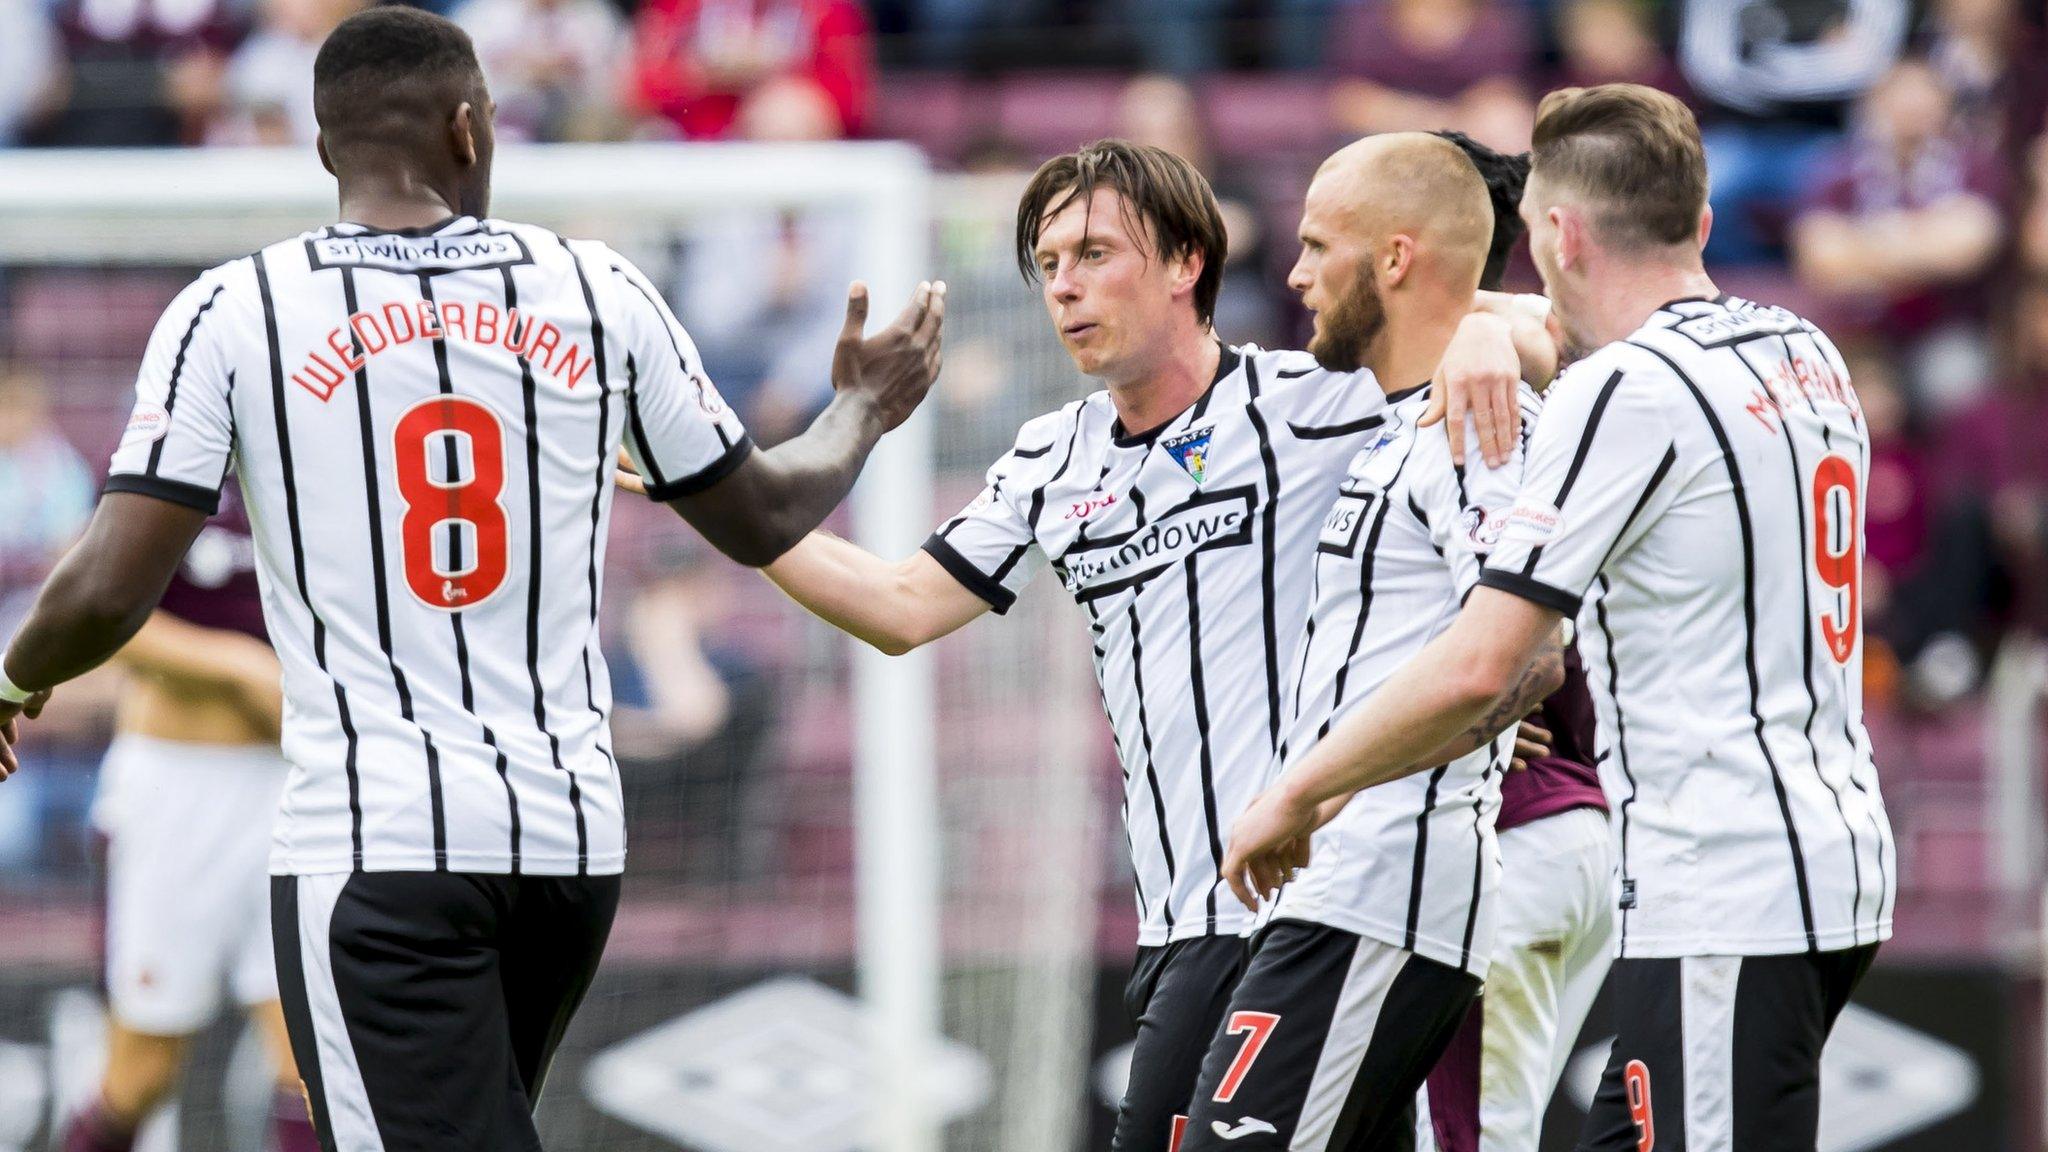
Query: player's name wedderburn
[[370, 332]]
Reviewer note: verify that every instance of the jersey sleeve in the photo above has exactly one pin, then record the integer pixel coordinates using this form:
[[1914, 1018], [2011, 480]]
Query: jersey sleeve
[[680, 433], [1598, 476], [181, 432], [1467, 507], [991, 547]]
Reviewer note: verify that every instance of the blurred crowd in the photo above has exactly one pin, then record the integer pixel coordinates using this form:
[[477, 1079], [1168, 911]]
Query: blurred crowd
[[1880, 165]]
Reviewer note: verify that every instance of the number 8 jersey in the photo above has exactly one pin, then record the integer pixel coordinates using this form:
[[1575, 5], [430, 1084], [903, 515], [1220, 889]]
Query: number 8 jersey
[[424, 424], [1694, 497]]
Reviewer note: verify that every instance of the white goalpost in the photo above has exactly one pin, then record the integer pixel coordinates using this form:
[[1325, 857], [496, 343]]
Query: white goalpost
[[193, 208]]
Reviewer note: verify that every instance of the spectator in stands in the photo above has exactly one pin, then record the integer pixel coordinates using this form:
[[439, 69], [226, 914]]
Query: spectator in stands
[[697, 61], [1419, 65], [1927, 565], [1181, 37], [1901, 227], [2033, 226], [28, 66], [50, 483], [1774, 79], [1992, 61], [269, 96], [764, 290], [1995, 456], [1612, 42], [1162, 111], [141, 72], [552, 65]]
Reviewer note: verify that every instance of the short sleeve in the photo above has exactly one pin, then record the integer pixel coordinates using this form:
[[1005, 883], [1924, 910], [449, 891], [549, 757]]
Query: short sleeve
[[1598, 476], [181, 432], [991, 547], [1467, 507], [680, 433]]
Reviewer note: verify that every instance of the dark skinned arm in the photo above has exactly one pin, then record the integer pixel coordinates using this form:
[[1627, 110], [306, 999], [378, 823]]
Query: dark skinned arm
[[97, 598], [777, 496]]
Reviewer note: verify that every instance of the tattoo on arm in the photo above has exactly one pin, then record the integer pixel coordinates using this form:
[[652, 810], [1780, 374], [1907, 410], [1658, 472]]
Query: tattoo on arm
[[1538, 680]]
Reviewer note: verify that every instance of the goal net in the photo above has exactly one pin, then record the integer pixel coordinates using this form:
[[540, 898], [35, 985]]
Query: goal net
[[862, 894]]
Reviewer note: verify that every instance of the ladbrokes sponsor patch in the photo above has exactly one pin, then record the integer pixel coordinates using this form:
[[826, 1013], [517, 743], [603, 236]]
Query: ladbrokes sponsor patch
[[148, 422], [1532, 523], [1221, 519]]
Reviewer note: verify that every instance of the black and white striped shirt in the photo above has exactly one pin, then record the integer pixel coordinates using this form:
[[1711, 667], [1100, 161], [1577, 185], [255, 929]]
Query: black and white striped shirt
[[1695, 497], [424, 425], [1190, 548], [1411, 862]]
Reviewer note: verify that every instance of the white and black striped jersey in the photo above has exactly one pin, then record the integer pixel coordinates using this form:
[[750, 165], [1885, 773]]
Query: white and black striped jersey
[[424, 425], [1695, 496], [1189, 547], [1411, 862]]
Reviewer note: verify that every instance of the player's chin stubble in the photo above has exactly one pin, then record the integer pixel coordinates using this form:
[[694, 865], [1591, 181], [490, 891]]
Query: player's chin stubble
[[1345, 330]]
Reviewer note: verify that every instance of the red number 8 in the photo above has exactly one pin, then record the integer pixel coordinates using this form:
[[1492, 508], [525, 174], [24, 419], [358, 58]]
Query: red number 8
[[1837, 552], [435, 428]]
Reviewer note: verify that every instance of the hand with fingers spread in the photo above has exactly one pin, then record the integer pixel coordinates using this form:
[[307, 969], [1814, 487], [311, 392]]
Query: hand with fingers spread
[[895, 367], [1480, 374]]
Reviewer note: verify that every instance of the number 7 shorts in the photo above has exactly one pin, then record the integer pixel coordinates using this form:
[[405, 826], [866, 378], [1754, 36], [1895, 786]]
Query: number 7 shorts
[[1326, 1040]]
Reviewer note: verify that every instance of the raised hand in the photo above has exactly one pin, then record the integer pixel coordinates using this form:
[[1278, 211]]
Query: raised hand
[[895, 367]]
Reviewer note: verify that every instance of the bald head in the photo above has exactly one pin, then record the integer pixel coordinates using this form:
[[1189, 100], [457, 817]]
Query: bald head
[[1413, 184]]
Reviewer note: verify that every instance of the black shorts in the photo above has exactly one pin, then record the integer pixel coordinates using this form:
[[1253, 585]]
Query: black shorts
[[1324, 1045], [1176, 997], [1723, 1051], [424, 1007]]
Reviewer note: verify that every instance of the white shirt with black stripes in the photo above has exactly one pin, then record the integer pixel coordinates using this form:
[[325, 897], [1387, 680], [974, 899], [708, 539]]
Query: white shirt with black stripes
[[424, 425], [1190, 548], [1695, 497], [1412, 862]]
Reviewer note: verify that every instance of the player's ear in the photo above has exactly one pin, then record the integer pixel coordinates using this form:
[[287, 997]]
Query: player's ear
[[1571, 237], [1706, 225], [462, 134], [1397, 260], [320, 146]]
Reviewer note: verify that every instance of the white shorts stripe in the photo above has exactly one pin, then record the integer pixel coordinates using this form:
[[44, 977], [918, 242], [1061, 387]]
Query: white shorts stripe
[[341, 1079], [1373, 968], [1707, 1020]]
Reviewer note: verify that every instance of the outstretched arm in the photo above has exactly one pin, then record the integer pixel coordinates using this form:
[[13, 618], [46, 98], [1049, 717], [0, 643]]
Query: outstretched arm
[[1463, 682], [770, 499], [892, 607]]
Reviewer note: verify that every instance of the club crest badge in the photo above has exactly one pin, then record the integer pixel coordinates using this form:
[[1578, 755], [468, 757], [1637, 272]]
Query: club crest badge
[[1190, 450]]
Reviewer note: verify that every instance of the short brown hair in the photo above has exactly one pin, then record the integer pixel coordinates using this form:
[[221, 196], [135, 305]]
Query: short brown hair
[[1164, 192], [1633, 152]]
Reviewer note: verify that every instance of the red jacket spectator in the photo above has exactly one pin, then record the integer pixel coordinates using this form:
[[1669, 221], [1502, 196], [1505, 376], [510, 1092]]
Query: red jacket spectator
[[695, 61]]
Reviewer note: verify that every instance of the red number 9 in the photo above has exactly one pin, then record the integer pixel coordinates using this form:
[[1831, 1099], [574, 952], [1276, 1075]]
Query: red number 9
[[457, 504], [1837, 552]]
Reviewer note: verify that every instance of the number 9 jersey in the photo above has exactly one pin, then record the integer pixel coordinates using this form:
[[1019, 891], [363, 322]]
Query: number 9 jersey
[[424, 424], [1694, 496]]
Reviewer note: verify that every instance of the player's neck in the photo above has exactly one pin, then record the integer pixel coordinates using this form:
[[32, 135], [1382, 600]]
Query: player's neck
[[1629, 294], [1410, 347], [396, 200], [1157, 397]]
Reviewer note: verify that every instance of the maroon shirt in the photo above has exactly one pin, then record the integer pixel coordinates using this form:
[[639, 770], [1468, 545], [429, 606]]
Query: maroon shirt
[[1565, 780], [216, 585]]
